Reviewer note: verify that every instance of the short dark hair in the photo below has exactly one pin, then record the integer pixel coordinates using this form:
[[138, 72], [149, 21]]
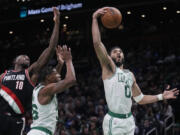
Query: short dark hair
[[112, 48], [47, 70], [14, 60]]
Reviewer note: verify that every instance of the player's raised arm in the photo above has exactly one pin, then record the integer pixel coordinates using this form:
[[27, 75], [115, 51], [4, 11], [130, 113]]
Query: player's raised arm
[[48, 52], [70, 79], [147, 99], [101, 52], [60, 60]]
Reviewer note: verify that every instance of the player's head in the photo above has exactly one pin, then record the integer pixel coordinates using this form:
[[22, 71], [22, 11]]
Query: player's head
[[22, 60], [117, 55], [49, 74]]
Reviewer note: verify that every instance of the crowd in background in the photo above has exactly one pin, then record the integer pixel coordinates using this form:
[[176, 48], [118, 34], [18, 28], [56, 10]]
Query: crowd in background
[[83, 107]]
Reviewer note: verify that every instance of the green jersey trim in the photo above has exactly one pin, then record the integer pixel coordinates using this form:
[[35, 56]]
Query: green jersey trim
[[43, 129], [121, 116]]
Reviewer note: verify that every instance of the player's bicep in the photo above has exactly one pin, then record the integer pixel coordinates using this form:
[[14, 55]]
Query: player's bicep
[[136, 91], [47, 90], [58, 87]]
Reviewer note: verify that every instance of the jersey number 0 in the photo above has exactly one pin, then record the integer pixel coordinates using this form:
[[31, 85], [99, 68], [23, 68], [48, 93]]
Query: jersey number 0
[[127, 91]]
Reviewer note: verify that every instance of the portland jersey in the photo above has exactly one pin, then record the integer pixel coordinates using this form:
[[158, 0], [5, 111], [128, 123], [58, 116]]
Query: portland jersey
[[118, 91], [44, 116], [16, 90]]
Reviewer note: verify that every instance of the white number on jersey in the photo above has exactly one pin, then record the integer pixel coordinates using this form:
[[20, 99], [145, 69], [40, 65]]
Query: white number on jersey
[[19, 85]]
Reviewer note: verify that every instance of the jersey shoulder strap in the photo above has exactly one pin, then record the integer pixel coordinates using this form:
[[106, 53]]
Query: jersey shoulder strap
[[126, 71]]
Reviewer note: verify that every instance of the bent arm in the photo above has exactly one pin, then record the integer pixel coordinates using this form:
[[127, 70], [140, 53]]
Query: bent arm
[[70, 80], [46, 94]]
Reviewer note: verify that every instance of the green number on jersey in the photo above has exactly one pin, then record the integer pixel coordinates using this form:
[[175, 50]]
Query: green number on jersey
[[34, 112], [127, 91]]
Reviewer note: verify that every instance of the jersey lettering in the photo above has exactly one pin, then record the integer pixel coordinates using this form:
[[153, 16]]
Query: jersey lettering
[[122, 78], [14, 77]]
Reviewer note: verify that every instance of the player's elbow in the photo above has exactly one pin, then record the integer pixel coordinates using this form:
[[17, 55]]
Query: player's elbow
[[139, 99], [96, 43], [71, 81], [51, 48], [141, 102]]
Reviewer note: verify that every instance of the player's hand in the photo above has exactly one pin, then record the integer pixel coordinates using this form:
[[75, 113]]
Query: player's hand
[[100, 12], [66, 53], [56, 15], [170, 94], [59, 52]]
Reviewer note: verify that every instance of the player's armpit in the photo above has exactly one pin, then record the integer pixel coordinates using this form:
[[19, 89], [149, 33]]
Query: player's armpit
[[136, 91]]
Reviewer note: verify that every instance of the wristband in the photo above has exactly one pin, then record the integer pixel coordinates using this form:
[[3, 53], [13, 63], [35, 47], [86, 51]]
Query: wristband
[[160, 97]]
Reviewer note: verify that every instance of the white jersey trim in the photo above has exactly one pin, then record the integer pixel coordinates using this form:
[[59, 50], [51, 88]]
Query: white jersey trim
[[10, 101]]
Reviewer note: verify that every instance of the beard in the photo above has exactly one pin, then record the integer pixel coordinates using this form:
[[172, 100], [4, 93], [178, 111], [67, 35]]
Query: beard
[[24, 66], [119, 63]]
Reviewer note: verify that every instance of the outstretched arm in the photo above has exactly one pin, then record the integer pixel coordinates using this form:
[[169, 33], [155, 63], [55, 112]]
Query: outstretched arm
[[70, 79], [147, 99], [101, 52], [48, 52]]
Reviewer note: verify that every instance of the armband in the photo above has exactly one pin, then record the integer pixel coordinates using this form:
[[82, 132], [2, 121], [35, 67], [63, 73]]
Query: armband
[[138, 98]]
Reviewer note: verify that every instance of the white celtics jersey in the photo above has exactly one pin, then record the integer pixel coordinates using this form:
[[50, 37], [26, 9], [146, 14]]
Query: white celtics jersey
[[44, 116], [118, 91]]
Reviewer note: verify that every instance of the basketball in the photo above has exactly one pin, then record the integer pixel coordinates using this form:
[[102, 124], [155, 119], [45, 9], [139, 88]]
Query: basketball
[[112, 18]]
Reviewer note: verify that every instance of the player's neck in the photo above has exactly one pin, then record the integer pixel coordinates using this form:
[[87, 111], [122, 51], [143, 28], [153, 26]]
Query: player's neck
[[18, 68], [121, 67]]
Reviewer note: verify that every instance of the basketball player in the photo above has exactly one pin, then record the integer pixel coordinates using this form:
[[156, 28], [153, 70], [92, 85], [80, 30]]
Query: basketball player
[[17, 85], [120, 85], [44, 102]]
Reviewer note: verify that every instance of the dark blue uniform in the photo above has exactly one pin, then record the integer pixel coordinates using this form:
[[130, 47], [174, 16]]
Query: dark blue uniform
[[15, 100]]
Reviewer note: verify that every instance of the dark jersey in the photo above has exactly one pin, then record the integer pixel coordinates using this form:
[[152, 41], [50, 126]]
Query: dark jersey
[[16, 91]]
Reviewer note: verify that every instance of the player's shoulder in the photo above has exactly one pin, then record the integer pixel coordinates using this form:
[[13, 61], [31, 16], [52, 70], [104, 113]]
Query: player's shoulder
[[39, 86], [127, 71]]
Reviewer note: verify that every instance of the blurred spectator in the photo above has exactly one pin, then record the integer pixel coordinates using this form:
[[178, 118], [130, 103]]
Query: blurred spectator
[[81, 110]]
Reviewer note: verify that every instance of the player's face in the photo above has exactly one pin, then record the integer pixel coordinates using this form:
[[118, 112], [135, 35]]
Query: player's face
[[117, 56], [23, 60], [54, 76]]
